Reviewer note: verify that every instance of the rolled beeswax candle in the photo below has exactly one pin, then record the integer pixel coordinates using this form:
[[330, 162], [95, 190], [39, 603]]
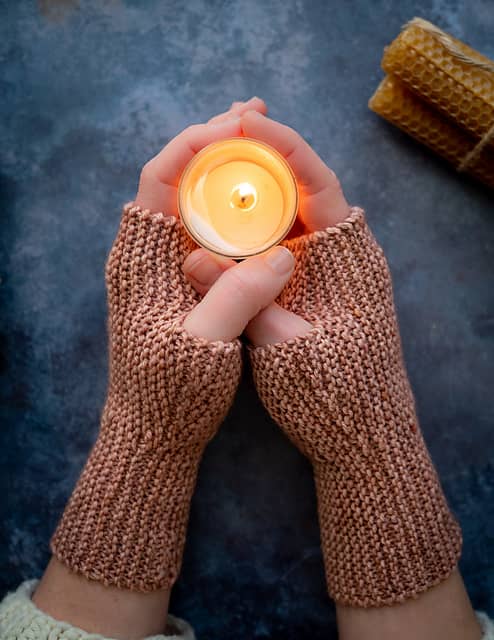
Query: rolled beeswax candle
[[421, 58], [433, 76], [404, 109]]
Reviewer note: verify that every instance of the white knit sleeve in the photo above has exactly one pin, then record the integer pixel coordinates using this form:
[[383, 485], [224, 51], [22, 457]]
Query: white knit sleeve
[[20, 619], [487, 626]]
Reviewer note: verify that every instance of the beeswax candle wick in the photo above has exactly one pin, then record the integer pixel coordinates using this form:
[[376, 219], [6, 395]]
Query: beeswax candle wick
[[449, 44]]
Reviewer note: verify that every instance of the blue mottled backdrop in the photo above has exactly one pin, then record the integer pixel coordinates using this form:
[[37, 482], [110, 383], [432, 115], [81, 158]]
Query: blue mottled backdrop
[[89, 91]]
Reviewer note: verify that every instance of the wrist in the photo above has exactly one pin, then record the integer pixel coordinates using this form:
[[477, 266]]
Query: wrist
[[444, 612], [98, 609]]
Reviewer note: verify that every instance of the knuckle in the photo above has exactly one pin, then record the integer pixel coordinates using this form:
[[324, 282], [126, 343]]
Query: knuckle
[[291, 134], [193, 129], [335, 182], [147, 172]]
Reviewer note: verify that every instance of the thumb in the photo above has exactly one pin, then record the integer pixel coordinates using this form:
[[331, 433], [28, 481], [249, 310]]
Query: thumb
[[239, 294], [223, 314]]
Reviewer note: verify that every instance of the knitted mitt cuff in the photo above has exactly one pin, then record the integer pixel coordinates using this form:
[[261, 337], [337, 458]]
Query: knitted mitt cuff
[[125, 522], [334, 267], [387, 533]]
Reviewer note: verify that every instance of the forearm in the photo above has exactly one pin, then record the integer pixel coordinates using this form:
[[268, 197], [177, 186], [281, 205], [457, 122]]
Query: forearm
[[117, 613], [441, 613], [390, 543], [119, 543]]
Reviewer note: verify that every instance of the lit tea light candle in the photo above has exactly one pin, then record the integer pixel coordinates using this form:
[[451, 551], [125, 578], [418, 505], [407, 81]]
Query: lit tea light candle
[[238, 197]]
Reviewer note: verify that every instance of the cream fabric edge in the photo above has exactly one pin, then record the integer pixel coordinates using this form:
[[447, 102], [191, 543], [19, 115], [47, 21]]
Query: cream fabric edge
[[20, 618], [487, 625]]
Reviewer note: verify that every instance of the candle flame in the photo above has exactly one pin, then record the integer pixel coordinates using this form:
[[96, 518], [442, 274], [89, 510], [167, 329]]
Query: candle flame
[[243, 196]]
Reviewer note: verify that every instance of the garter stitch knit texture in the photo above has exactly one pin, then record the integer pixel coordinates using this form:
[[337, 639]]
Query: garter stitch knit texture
[[342, 395], [168, 393]]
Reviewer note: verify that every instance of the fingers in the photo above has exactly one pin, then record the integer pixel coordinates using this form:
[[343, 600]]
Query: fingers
[[160, 176], [203, 268], [322, 201], [312, 174], [239, 108], [238, 294], [273, 324]]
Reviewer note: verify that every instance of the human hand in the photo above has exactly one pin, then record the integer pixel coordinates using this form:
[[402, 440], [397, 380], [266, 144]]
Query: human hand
[[328, 366], [321, 205], [169, 389], [124, 526], [236, 299]]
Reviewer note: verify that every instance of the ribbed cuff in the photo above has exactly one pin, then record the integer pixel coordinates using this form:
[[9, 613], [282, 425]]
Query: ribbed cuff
[[340, 267], [20, 618], [125, 523], [387, 533]]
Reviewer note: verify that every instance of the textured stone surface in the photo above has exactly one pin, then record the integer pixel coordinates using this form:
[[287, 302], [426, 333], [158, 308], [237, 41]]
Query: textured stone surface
[[88, 93]]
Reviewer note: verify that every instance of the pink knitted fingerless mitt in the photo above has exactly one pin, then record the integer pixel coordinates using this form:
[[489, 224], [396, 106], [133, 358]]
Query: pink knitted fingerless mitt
[[168, 392], [342, 395]]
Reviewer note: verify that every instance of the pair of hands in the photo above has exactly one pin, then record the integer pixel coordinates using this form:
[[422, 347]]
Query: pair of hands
[[175, 360], [337, 387], [240, 297]]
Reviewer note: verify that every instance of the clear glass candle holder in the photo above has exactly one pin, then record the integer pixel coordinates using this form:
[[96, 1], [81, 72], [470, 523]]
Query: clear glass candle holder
[[238, 197]]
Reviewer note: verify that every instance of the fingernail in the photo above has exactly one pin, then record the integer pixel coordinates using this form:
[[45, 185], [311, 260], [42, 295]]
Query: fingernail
[[280, 259], [205, 270]]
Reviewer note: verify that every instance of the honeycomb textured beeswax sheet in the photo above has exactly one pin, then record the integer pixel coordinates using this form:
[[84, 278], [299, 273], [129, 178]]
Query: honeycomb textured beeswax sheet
[[404, 109], [441, 92]]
